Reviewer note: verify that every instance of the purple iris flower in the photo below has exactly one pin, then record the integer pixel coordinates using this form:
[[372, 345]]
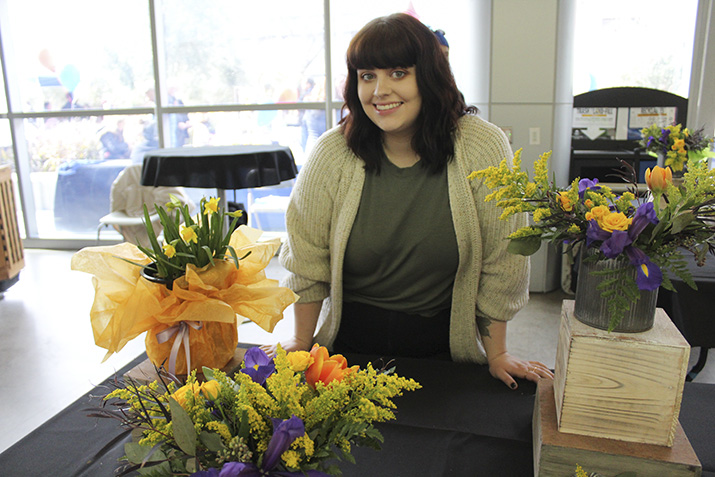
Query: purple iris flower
[[258, 365], [644, 215], [206, 473], [595, 233], [649, 276], [284, 433], [585, 184], [615, 244]]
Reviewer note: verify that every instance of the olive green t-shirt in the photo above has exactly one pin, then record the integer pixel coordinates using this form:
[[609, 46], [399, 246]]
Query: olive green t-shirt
[[402, 251]]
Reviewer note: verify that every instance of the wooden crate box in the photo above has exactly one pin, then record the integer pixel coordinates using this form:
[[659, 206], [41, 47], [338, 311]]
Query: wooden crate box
[[11, 253], [624, 386], [557, 454]]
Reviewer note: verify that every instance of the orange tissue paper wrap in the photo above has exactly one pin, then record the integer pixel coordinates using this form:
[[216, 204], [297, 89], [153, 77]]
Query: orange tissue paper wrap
[[201, 310]]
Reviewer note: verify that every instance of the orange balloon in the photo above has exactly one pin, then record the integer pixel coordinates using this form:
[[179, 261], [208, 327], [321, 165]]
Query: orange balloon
[[45, 58]]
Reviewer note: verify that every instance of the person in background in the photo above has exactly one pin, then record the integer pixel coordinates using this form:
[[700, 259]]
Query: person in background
[[179, 122], [443, 43], [391, 248], [113, 144]]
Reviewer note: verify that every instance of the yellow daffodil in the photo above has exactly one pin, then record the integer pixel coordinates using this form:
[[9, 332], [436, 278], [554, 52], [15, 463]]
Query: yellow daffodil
[[211, 206], [188, 234], [169, 250]]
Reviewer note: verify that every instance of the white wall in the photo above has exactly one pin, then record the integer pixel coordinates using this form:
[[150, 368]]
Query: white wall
[[531, 91]]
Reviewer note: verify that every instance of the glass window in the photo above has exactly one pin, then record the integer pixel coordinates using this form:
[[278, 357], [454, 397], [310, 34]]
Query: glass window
[[229, 52], [79, 54], [297, 129], [349, 17], [6, 154], [620, 43], [73, 162]]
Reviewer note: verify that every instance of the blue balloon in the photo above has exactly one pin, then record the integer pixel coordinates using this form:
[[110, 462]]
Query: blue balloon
[[69, 77]]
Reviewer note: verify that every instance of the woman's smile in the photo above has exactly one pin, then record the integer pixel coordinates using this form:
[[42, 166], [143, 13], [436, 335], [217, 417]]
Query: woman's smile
[[390, 98]]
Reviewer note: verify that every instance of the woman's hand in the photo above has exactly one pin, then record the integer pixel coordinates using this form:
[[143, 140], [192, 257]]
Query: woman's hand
[[507, 367], [291, 344]]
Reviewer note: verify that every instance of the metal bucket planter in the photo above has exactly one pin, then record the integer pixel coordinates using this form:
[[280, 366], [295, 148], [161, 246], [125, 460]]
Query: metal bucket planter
[[591, 309]]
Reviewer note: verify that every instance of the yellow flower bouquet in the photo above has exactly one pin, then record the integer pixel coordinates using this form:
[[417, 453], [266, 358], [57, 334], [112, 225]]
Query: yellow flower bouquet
[[293, 415], [647, 233], [199, 310], [676, 145]]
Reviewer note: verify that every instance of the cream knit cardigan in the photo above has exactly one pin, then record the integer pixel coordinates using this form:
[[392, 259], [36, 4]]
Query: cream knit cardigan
[[490, 282]]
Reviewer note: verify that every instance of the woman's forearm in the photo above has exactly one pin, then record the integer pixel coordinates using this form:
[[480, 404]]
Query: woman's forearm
[[493, 336], [306, 320]]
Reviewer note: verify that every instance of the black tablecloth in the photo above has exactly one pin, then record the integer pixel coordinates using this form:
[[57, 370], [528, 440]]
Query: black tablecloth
[[221, 167], [461, 423], [693, 311]]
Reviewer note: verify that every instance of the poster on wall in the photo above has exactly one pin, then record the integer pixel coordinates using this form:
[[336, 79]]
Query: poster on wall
[[640, 118], [594, 123]]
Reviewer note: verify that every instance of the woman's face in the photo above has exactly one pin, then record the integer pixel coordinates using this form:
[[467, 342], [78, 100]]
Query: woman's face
[[390, 98]]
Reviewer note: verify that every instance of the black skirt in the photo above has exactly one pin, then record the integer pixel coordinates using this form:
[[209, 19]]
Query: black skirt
[[367, 329]]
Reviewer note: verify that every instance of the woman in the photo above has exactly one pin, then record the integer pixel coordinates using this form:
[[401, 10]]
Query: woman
[[392, 250]]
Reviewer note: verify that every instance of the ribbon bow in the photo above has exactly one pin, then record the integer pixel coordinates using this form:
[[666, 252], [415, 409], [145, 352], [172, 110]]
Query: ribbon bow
[[181, 330]]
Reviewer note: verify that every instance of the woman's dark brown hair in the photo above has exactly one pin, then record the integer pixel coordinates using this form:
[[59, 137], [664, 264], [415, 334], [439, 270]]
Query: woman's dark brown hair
[[400, 40]]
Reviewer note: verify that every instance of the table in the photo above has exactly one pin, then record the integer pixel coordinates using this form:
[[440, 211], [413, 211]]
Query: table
[[220, 167], [692, 310], [461, 423]]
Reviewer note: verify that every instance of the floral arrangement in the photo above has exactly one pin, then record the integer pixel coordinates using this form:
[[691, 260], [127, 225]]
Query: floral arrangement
[[286, 416], [188, 240], [649, 232], [203, 294], [676, 143]]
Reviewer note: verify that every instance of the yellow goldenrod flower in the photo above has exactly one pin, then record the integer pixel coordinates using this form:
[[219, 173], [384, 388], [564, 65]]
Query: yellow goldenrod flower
[[188, 234], [211, 206]]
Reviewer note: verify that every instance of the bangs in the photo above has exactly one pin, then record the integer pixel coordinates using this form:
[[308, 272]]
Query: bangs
[[380, 45]]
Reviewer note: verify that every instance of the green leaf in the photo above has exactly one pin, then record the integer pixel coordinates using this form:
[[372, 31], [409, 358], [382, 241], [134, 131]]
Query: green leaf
[[208, 373], [211, 440], [244, 429], [524, 246], [135, 452], [191, 465], [681, 221], [182, 427]]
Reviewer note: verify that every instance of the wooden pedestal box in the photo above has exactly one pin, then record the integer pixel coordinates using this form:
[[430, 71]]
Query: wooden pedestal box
[[11, 253], [623, 386], [557, 454]]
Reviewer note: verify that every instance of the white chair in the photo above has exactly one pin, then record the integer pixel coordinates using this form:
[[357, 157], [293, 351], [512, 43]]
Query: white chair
[[127, 199], [119, 219]]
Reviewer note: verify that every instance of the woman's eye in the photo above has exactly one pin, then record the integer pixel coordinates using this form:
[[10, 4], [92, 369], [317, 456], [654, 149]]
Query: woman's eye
[[367, 76], [398, 74]]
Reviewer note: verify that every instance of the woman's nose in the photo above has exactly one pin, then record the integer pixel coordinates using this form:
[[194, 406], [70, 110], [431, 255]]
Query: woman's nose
[[382, 88]]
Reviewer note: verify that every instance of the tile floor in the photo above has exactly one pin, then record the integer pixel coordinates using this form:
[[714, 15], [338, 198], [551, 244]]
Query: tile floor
[[48, 358]]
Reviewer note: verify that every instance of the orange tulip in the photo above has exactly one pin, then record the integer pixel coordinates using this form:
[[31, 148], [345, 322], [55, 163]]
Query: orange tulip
[[659, 178], [326, 368]]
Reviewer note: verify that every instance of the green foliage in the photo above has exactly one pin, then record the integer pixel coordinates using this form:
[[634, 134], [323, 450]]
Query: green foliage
[[672, 219], [195, 240], [231, 418]]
